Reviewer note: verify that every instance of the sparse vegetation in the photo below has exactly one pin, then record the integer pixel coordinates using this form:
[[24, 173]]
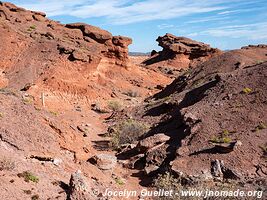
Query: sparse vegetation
[[31, 28], [54, 113], [114, 105], [260, 62], [6, 164], [37, 108], [126, 132], [27, 100], [246, 90], [264, 150], [1, 115], [168, 182], [119, 181], [165, 99], [222, 138], [28, 176], [154, 103], [197, 83], [261, 126], [7, 91]]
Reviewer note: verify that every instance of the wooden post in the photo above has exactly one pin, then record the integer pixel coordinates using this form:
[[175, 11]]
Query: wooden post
[[43, 99]]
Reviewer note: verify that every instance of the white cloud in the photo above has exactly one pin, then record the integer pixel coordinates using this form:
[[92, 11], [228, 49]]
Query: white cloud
[[256, 31], [227, 12], [208, 19], [192, 35], [126, 11], [165, 26]]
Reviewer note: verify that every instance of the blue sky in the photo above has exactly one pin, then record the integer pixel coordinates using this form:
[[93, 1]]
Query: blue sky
[[226, 24]]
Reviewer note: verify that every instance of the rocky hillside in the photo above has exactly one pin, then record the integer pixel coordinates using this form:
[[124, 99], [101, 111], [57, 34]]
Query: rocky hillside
[[78, 115], [209, 124], [50, 75], [70, 61]]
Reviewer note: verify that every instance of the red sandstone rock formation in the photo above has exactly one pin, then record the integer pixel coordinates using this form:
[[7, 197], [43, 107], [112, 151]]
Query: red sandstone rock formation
[[181, 52]]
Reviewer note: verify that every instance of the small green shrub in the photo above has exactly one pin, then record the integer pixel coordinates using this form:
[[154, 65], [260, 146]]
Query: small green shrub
[[119, 181], [222, 138], [28, 176], [31, 28], [114, 105], [168, 182], [27, 100], [6, 164], [54, 113], [126, 132], [246, 90], [260, 61], [261, 126], [37, 108]]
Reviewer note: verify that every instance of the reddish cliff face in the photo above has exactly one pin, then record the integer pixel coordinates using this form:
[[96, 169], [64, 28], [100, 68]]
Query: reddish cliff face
[[181, 52], [68, 60], [103, 43], [80, 41]]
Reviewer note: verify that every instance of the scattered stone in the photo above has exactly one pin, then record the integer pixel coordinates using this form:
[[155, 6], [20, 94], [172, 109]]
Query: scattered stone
[[105, 161], [134, 162], [219, 171], [227, 147], [216, 168], [39, 18], [57, 161], [182, 151], [152, 141], [99, 108], [79, 55], [49, 35], [83, 129], [190, 119], [151, 168], [231, 174], [205, 175], [79, 188], [65, 49], [155, 157]]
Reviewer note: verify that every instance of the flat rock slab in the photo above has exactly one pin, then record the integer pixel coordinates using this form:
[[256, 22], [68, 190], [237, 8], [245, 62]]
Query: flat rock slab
[[105, 161]]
